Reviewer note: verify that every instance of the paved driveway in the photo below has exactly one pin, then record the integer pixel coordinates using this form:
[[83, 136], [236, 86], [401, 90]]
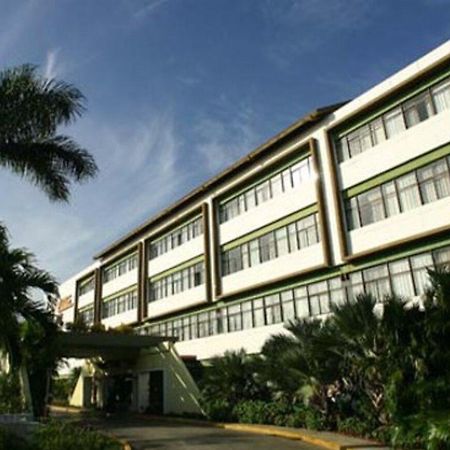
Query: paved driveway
[[147, 435]]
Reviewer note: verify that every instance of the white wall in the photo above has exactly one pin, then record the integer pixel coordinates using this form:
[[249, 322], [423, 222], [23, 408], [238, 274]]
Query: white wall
[[305, 258], [121, 319], [86, 299], [269, 211]]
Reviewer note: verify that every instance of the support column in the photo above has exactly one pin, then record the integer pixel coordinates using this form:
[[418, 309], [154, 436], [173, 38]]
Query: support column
[[207, 251], [142, 280], [215, 250], [98, 286]]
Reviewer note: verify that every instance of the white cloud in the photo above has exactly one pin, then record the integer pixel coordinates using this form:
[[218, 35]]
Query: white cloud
[[149, 7], [52, 67]]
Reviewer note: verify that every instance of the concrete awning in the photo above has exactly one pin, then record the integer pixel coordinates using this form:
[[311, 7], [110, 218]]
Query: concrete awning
[[106, 345]]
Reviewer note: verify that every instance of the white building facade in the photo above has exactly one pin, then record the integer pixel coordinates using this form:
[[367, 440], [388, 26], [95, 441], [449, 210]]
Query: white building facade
[[352, 197]]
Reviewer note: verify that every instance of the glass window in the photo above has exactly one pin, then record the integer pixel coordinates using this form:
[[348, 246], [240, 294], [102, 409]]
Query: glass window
[[287, 301], [442, 257], [342, 149], [292, 235], [377, 130], [390, 199], [319, 298], [417, 109], [267, 247], [419, 265], [401, 278], [394, 122], [282, 241], [376, 281], [263, 192], [247, 315], [234, 260], [441, 96], [371, 206], [359, 140], [307, 231], [355, 285], [336, 290], [408, 192], [254, 252], [273, 309], [258, 312], [287, 179], [352, 214], [277, 185], [434, 181], [301, 302], [245, 256], [250, 199]]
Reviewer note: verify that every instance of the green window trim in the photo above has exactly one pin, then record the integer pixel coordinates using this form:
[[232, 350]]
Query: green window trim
[[270, 227], [86, 308], [398, 171], [172, 230], [86, 281], [119, 293], [177, 268], [267, 176], [391, 104]]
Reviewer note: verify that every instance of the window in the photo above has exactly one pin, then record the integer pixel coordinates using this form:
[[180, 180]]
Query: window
[[271, 245], [273, 309], [318, 298], [178, 237], [247, 315], [86, 286], [408, 192], [234, 318], [390, 199], [442, 257], [360, 140], [258, 312], [434, 181], [337, 293], [417, 109], [356, 285], [120, 304], [401, 278], [376, 281], [291, 177], [177, 282], [301, 302], [287, 302], [441, 96], [377, 131], [120, 268], [419, 265], [352, 213], [371, 206], [394, 122]]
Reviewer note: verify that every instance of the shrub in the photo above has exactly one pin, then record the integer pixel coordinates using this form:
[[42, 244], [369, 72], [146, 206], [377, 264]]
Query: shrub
[[252, 411], [59, 435], [9, 441], [218, 410], [10, 394]]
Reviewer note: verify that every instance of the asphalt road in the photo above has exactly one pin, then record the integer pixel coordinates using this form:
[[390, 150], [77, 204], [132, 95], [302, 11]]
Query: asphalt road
[[147, 435]]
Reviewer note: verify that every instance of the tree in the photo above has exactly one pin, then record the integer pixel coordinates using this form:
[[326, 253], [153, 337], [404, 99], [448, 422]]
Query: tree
[[19, 311], [31, 110]]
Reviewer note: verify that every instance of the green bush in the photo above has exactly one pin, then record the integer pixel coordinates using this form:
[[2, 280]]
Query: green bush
[[10, 394], [65, 436], [9, 441], [218, 410]]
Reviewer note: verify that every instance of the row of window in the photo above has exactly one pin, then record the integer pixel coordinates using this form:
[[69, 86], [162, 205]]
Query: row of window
[[419, 108], [120, 268], [284, 181], [405, 277], [86, 286], [177, 282], [416, 188], [120, 304], [87, 315], [274, 244], [176, 238]]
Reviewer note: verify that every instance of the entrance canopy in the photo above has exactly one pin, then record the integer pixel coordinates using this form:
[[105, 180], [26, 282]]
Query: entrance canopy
[[106, 345]]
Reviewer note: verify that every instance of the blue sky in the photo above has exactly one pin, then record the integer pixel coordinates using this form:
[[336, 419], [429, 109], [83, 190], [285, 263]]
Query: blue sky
[[179, 89]]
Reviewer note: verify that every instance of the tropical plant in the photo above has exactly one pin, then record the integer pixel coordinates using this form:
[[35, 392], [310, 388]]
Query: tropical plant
[[21, 316], [32, 108]]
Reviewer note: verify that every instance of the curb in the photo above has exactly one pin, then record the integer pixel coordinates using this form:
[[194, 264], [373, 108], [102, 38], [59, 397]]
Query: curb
[[325, 440]]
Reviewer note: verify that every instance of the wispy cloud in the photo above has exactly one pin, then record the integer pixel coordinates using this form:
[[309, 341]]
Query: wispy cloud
[[149, 7], [52, 67]]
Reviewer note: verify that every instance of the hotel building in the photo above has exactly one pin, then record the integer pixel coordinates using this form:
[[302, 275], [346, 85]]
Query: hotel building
[[352, 197]]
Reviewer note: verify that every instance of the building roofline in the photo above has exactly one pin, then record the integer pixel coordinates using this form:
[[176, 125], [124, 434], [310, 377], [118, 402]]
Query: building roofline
[[302, 124]]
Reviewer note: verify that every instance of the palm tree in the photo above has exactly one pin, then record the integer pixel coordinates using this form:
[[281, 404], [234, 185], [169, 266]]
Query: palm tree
[[31, 110], [19, 280]]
